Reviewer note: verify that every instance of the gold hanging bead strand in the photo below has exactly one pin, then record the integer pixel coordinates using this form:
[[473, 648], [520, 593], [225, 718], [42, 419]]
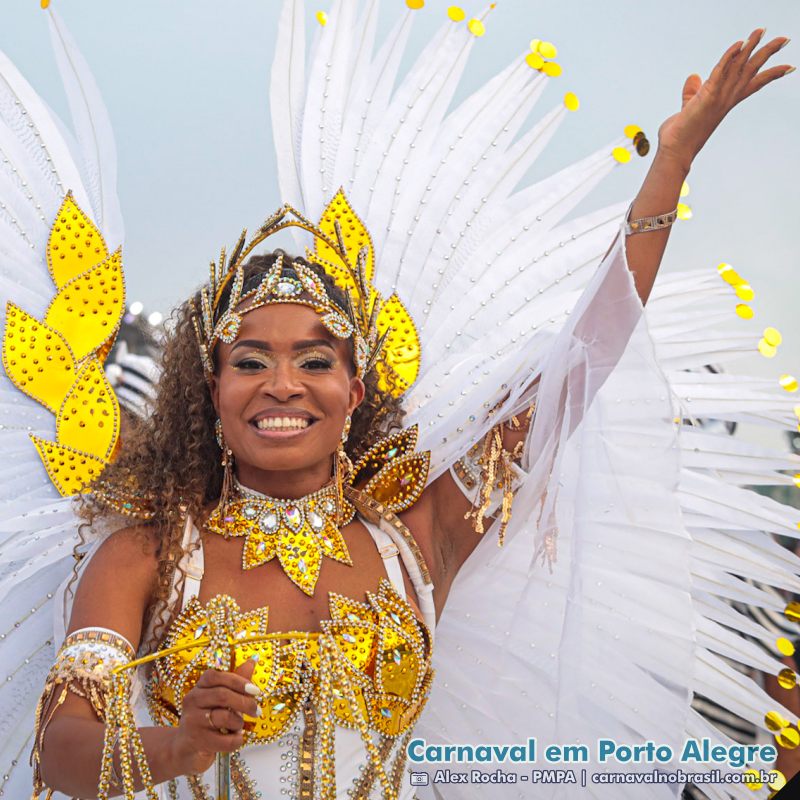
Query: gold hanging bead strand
[[340, 674], [307, 744]]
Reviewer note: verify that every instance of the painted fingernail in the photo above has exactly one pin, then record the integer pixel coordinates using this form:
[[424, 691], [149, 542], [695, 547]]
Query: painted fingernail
[[791, 69], [784, 44], [252, 689], [255, 657], [761, 35], [259, 712]]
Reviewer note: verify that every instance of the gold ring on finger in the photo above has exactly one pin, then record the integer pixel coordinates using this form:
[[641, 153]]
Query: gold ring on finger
[[211, 722]]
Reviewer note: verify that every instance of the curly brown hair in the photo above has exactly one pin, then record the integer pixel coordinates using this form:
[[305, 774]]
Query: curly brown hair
[[172, 457]]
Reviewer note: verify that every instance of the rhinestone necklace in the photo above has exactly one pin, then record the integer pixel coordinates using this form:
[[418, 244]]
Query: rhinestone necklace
[[299, 532]]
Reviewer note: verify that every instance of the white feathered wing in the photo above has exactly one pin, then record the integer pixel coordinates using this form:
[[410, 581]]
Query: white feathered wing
[[40, 161], [655, 523]]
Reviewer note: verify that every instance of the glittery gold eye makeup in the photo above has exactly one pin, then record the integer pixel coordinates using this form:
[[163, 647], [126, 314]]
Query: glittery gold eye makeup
[[316, 360]]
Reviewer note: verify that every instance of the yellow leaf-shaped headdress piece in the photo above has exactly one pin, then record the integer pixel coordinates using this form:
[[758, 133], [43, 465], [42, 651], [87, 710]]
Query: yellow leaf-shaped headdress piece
[[384, 335], [58, 361]]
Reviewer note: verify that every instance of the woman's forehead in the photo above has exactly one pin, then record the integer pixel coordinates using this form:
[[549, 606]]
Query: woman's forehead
[[284, 322]]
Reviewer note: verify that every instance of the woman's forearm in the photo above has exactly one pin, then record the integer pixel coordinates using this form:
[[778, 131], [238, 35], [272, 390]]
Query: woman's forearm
[[72, 753], [659, 195]]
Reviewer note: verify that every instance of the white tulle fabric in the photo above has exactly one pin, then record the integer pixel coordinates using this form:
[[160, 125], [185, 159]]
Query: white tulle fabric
[[652, 515]]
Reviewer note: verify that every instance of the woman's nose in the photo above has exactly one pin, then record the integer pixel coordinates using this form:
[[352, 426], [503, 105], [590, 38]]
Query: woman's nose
[[282, 382]]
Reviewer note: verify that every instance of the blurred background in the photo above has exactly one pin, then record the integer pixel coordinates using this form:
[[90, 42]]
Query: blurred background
[[186, 87]]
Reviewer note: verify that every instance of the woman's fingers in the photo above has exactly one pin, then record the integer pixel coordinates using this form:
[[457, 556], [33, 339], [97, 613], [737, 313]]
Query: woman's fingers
[[222, 697], [223, 719], [765, 77], [215, 742], [724, 64], [761, 56], [750, 44], [215, 677]]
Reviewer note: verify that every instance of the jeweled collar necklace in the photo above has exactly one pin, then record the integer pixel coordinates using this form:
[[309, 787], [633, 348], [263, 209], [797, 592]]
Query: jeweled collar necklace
[[298, 531]]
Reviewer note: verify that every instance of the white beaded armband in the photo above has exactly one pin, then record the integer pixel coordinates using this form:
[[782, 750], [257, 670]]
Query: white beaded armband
[[84, 667]]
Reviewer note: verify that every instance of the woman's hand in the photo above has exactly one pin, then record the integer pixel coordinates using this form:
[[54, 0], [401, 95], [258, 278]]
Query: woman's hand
[[705, 104], [211, 720]]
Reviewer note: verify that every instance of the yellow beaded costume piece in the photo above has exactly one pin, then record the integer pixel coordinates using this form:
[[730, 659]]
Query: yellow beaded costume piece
[[58, 361]]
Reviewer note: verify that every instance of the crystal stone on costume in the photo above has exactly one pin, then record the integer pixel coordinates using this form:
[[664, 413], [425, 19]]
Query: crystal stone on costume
[[293, 516], [268, 522]]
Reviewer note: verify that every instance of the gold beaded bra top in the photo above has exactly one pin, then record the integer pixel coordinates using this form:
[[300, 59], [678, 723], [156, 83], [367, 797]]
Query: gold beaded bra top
[[369, 668]]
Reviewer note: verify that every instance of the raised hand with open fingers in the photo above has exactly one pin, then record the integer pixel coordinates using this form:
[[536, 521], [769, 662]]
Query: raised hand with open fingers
[[737, 75]]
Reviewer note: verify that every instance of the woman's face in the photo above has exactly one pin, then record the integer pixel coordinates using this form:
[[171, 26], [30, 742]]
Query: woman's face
[[282, 391]]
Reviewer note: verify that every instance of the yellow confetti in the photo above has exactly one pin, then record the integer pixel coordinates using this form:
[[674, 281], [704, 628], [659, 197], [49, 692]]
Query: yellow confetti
[[797, 480], [476, 27], [773, 336], [548, 50], [752, 780], [788, 738], [723, 269], [744, 291], [44, 4], [535, 45], [788, 382], [621, 154], [552, 69], [534, 61], [766, 349], [797, 414], [456, 13], [684, 211], [744, 311], [786, 648], [730, 275], [571, 101], [775, 721], [778, 780], [787, 678], [322, 18], [792, 610], [415, 5], [684, 189], [632, 130]]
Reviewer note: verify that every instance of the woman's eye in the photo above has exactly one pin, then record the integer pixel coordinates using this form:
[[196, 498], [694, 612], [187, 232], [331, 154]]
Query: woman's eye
[[250, 363], [317, 363]]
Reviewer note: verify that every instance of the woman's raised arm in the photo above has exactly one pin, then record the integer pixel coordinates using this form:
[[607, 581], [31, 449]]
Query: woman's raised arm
[[681, 137], [594, 338]]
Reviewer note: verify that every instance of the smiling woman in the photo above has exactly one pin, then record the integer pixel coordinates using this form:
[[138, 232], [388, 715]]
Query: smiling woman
[[292, 551]]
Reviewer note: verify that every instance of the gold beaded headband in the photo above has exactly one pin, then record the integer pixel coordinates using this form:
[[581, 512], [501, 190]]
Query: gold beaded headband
[[343, 249]]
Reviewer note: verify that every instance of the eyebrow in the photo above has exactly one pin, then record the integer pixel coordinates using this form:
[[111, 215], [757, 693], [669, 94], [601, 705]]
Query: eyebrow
[[301, 345]]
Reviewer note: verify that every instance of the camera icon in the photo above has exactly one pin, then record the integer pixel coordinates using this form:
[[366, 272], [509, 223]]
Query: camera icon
[[419, 779]]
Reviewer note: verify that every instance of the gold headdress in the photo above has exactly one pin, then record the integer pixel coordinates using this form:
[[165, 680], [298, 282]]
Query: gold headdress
[[384, 335], [58, 361]]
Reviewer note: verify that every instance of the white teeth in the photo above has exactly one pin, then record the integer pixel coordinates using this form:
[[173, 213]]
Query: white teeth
[[283, 423]]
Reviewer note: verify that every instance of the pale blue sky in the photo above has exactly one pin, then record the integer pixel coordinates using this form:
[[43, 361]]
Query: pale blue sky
[[186, 82]]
